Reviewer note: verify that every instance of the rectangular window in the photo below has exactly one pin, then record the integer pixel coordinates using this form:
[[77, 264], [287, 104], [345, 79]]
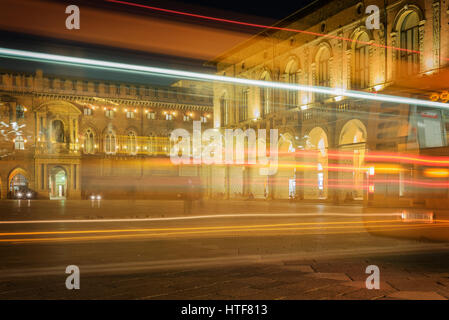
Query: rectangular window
[[361, 68], [85, 85], [20, 112], [168, 116], [87, 111], [128, 90], [96, 87], [109, 113], [151, 115], [130, 114], [107, 88], [74, 85], [203, 119], [243, 110], [409, 58], [186, 118]]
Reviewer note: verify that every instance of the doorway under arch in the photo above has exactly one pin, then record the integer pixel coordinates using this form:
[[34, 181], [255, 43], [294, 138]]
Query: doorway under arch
[[353, 142], [316, 169], [58, 183]]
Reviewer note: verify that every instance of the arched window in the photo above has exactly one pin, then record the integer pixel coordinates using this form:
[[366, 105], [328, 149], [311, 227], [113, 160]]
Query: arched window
[[409, 37], [131, 143], [265, 96], [292, 78], [224, 110], [323, 71], [19, 143], [243, 108], [89, 142], [110, 142], [360, 76]]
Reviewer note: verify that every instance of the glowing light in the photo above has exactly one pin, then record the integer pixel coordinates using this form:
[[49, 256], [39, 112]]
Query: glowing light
[[371, 188], [378, 87], [371, 171], [304, 107], [436, 172], [123, 67], [338, 98]]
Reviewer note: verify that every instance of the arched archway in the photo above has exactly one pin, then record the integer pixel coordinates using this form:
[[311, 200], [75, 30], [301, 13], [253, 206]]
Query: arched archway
[[17, 181], [58, 180], [352, 142], [316, 173], [285, 180]]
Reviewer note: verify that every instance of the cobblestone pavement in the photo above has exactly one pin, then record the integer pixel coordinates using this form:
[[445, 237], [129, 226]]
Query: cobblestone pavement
[[291, 279]]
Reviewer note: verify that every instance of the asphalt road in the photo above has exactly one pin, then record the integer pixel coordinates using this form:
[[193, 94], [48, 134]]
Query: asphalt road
[[235, 250]]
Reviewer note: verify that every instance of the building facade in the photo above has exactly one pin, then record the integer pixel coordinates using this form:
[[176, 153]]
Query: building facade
[[333, 49], [67, 138]]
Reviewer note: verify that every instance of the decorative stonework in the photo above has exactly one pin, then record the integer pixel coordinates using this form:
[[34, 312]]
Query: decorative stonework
[[436, 33]]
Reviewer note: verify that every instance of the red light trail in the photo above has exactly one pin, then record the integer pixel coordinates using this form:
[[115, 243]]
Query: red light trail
[[255, 25]]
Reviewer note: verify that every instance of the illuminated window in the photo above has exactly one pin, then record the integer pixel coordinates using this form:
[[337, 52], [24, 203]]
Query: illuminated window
[[243, 109], [203, 119], [168, 116], [89, 142], [409, 33], [87, 111], [109, 113], [110, 142], [130, 114], [265, 96], [151, 115], [132, 143], [224, 110], [187, 118], [323, 71], [292, 78], [19, 143], [20, 112], [360, 79]]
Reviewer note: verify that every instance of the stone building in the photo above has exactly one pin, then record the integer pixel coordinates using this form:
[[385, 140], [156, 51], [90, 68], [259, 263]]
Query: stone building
[[68, 138], [334, 49]]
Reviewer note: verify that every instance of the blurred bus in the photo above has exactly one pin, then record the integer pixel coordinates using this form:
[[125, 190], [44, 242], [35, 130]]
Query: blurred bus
[[407, 165]]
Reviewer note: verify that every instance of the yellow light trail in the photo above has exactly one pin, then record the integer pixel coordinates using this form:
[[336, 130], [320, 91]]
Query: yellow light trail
[[155, 235]]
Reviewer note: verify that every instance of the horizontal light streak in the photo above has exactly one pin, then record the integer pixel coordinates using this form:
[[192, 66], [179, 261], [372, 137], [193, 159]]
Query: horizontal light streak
[[397, 226], [124, 67]]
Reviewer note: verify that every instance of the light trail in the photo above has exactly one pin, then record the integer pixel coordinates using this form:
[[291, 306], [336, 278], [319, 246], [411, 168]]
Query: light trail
[[217, 216], [261, 26], [395, 227], [139, 69], [194, 228]]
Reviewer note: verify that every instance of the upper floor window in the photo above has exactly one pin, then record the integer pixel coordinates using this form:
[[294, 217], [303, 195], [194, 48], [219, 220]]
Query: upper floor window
[[203, 119], [265, 96], [89, 143], [130, 114], [187, 118], [128, 90], [151, 115], [85, 85], [107, 88], [360, 76], [110, 142], [323, 77], [292, 78], [243, 108], [20, 111], [409, 40], [87, 111], [168, 116], [224, 110], [19, 143], [109, 113]]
